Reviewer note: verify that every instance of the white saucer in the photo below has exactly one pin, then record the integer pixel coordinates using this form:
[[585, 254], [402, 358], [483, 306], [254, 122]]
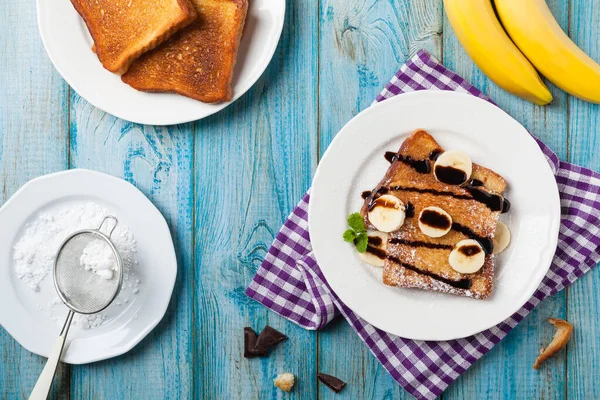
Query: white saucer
[[354, 162], [28, 316], [68, 45]]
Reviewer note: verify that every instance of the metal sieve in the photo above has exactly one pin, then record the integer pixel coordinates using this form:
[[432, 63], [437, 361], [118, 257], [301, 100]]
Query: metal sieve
[[83, 291]]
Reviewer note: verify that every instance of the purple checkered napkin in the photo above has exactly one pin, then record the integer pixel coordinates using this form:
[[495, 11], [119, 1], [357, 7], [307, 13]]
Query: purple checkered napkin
[[290, 282]]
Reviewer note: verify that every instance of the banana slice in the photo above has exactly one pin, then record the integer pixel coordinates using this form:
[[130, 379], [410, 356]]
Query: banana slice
[[453, 167], [378, 241], [387, 213], [467, 257], [501, 238], [434, 222]]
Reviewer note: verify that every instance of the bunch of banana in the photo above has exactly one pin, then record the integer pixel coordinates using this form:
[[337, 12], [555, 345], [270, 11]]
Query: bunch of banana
[[537, 42]]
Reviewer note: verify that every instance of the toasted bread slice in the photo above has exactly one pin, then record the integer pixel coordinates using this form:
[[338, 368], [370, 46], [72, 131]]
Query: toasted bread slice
[[416, 260], [199, 61], [122, 30]]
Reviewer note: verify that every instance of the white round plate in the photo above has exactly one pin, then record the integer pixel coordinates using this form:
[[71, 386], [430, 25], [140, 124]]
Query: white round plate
[[68, 45], [30, 317], [354, 163]]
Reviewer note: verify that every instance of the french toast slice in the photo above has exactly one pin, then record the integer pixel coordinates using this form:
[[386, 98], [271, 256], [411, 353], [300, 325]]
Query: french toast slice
[[122, 30], [199, 61], [415, 260]]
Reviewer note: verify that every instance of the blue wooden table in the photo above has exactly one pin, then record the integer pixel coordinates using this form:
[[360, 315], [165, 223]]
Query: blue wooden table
[[226, 183]]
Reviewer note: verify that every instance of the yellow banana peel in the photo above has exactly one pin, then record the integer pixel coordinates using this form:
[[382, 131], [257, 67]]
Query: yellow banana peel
[[479, 31], [534, 30]]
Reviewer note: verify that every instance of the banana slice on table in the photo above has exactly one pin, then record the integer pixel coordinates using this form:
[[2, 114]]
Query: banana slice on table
[[501, 238], [467, 257], [387, 213], [379, 242], [453, 167]]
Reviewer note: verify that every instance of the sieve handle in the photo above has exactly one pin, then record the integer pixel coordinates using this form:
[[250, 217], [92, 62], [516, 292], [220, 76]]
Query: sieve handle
[[114, 226], [44, 383]]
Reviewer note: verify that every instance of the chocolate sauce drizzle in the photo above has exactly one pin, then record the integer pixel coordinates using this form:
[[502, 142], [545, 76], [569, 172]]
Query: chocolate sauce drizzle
[[421, 166], [374, 241], [381, 202], [505, 206], [409, 211], [390, 156], [474, 182], [486, 243], [494, 202], [435, 219], [431, 191], [450, 175], [374, 195], [460, 284], [470, 250], [418, 243], [377, 252], [435, 154]]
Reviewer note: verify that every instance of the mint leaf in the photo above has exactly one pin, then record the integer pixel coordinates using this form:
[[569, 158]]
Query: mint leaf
[[355, 221], [357, 233], [349, 235], [362, 240]]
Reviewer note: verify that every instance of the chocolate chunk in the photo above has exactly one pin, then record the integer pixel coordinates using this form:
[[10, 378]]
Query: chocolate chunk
[[249, 344], [331, 382], [267, 339]]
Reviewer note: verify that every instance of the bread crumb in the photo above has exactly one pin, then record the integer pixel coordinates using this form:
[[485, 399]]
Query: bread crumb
[[284, 381], [561, 337]]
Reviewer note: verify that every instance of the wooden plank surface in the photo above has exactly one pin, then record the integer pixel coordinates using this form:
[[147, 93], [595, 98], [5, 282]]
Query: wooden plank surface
[[583, 351], [253, 162], [33, 141], [159, 162], [225, 185]]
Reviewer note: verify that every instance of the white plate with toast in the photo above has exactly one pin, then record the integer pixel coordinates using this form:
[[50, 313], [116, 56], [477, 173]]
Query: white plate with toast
[[68, 44], [354, 162]]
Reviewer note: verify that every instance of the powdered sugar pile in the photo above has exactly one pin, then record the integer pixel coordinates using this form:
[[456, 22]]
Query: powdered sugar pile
[[35, 251], [99, 258]]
